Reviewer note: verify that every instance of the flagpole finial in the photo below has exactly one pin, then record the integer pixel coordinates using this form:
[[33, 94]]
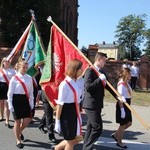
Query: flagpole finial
[[32, 14], [49, 19]]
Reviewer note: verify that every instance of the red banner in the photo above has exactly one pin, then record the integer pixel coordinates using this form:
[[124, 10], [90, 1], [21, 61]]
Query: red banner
[[62, 51]]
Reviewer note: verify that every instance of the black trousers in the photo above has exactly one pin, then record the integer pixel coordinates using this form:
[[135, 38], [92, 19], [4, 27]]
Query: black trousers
[[94, 128], [47, 119], [133, 82]]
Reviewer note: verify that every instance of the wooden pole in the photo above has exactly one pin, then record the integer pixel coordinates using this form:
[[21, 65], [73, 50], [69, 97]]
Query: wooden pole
[[116, 92]]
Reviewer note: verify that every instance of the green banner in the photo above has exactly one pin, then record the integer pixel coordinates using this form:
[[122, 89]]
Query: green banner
[[33, 51]]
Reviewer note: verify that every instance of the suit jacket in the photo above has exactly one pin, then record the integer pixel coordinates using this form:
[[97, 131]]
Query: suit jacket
[[94, 90]]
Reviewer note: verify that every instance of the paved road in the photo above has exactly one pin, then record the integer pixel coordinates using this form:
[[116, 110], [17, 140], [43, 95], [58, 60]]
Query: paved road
[[136, 137]]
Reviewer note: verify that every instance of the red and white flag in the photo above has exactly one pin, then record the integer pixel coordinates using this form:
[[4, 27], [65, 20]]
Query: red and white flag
[[60, 52], [19, 43]]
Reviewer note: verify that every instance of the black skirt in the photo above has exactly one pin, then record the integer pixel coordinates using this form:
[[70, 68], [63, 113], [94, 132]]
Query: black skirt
[[3, 90], [128, 115], [21, 107], [68, 121]]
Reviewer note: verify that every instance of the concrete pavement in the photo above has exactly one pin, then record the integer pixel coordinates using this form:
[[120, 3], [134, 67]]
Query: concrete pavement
[[136, 137]]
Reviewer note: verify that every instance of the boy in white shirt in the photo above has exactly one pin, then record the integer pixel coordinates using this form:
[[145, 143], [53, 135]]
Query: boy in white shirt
[[134, 75]]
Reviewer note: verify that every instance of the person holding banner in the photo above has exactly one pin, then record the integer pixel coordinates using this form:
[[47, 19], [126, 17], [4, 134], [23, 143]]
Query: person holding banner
[[94, 84], [6, 73], [123, 114], [47, 119], [20, 101], [35, 95], [68, 118]]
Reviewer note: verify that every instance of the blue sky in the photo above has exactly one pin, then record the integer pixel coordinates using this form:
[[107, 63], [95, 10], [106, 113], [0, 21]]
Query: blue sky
[[98, 19]]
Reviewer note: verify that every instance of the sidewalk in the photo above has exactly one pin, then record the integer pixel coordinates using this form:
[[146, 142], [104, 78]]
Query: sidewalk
[[136, 137], [137, 128]]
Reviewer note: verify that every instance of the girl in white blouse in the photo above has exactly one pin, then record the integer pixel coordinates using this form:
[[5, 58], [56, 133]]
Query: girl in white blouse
[[68, 119], [6, 73], [20, 100], [123, 114]]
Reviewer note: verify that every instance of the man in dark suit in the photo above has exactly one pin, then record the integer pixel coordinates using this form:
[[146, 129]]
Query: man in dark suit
[[93, 100]]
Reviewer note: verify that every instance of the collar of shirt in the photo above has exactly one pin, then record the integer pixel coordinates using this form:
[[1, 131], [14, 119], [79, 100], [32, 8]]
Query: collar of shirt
[[20, 75], [6, 70], [121, 80], [96, 67], [69, 79]]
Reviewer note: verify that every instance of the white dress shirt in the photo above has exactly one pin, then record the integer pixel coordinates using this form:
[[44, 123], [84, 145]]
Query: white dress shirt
[[15, 87], [80, 83], [134, 71], [66, 95], [96, 68]]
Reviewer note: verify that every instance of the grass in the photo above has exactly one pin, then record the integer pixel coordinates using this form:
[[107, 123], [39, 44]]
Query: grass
[[141, 98]]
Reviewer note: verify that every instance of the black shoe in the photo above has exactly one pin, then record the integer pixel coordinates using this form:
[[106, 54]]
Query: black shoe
[[20, 145], [112, 135], [8, 125], [125, 147], [52, 139], [22, 137], [2, 119], [42, 130]]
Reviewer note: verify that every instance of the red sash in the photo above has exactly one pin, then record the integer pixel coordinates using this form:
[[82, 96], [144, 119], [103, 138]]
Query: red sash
[[23, 85], [122, 84], [75, 100], [5, 77]]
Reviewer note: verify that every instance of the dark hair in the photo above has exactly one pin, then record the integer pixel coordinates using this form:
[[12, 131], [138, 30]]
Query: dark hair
[[73, 66], [100, 55]]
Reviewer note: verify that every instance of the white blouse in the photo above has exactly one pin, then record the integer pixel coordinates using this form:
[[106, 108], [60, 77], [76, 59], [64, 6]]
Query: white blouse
[[122, 89], [15, 87], [66, 95], [134, 71], [9, 74]]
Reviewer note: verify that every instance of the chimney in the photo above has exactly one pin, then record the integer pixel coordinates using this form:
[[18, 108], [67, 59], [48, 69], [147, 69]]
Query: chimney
[[114, 42]]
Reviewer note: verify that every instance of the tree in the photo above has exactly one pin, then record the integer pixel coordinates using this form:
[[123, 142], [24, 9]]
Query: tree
[[147, 49], [15, 17], [130, 34]]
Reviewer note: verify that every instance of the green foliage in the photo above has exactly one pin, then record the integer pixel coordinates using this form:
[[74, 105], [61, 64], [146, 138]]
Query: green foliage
[[147, 50], [130, 34], [15, 17]]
